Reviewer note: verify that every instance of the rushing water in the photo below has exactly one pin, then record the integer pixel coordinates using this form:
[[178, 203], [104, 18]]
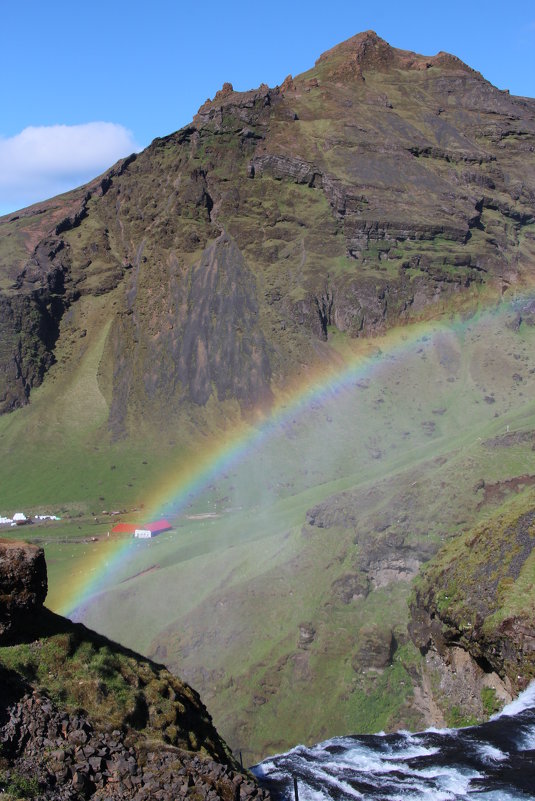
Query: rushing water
[[494, 761]]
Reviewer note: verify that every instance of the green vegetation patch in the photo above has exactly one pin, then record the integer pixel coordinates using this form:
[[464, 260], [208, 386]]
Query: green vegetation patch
[[14, 785], [117, 688]]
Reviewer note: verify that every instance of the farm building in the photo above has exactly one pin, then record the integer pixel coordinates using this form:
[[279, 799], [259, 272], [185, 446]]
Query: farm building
[[123, 528], [152, 529]]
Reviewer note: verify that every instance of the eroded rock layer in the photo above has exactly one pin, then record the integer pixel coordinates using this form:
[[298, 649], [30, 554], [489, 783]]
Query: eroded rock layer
[[59, 755], [471, 611]]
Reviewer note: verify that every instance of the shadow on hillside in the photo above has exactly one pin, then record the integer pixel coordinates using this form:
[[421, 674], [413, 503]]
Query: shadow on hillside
[[12, 689], [49, 624]]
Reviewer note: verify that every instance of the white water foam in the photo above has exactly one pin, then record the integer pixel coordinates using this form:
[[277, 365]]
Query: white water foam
[[381, 762], [527, 741], [445, 732], [452, 781], [525, 700], [490, 753], [329, 781], [457, 765], [307, 793]]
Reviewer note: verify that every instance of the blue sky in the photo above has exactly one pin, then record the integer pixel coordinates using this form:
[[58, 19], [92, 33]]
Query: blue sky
[[142, 69]]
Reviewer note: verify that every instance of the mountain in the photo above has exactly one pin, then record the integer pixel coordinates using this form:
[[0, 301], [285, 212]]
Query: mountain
[[366, 191], [378, 207]]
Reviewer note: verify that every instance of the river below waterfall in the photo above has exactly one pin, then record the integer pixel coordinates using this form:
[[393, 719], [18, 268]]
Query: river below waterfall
[[494, 761]]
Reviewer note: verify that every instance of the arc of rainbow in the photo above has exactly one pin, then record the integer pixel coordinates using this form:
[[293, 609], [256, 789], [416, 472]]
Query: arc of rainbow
[[191, 479], [321, 383]]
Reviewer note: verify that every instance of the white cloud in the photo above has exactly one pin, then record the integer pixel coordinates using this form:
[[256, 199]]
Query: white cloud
[[43, 161]]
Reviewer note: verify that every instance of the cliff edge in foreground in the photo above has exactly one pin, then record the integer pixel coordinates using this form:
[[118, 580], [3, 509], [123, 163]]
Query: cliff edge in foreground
[[82, 717]]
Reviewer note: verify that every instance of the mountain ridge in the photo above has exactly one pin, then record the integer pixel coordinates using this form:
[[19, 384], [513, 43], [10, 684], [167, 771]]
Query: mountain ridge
[[363, 235]]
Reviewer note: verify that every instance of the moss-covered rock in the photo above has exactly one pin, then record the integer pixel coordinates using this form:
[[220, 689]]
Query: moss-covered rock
[[478, 593], [118, 689]]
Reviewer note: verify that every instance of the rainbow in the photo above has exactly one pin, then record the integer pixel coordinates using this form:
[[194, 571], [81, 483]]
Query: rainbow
[[357, 362], [91, 574]]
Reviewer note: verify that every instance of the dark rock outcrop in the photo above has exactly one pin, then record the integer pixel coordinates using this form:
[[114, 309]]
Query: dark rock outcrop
[[63, 756], [29, 327], [23, 585], [44, 280], [387, 553], [376, 646], [307, 634], [165, 746], [468, 597], [222, 344]]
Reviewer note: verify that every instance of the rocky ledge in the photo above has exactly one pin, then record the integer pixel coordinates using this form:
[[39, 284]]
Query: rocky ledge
[[471, 611], [23, 584], [57, 755], [81, 717]]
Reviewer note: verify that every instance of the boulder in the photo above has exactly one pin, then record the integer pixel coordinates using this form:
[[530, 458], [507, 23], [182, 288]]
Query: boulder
[[23, 584], [307, 635]]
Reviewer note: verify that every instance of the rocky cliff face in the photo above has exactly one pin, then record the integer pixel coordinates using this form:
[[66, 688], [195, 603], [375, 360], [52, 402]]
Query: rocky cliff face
[[363, 192], [36, 288], [23, 585], [82, 717], [471, 611]]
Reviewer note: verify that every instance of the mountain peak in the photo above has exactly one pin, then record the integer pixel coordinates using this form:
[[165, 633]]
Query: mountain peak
[[367, 51], [366, 48]]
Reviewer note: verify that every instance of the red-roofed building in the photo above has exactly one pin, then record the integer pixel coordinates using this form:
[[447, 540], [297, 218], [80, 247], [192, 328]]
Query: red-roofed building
[[152, 529], [123, 528]]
